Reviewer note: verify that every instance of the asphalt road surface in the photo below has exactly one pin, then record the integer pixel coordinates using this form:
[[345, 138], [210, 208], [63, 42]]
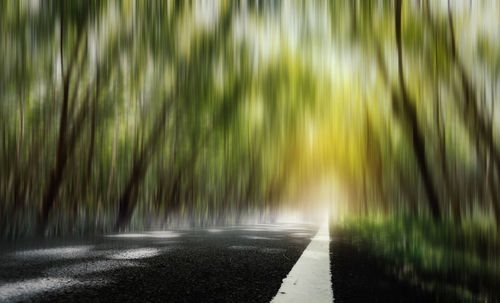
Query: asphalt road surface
[[233, 264]]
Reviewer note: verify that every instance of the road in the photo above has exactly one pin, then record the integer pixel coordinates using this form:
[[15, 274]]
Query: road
[[254, 263], [233, 264]]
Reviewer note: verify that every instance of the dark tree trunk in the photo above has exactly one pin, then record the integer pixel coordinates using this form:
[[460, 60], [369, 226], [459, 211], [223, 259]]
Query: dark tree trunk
[[478, 126], [410, 115], [128, 198], [55, 180]]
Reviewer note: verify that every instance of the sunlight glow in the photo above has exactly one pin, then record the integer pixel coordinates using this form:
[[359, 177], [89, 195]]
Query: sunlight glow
[[153, 234], [56, 253], [22, 290], [214, 230], [131, 254]]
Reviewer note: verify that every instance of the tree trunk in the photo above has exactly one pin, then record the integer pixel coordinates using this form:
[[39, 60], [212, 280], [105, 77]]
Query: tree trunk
[[410, 115], [128, 198], [56, 175], [478, 126]]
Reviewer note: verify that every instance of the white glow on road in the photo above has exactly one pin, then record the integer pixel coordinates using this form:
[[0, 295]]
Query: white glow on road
[[132, 254], [214, 230], [21, 290], [163, 234], [152, 234], [263, 228], [67, 252], [260, 238]]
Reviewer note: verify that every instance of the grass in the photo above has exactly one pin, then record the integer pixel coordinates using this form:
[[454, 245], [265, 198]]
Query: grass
[[459, 259]]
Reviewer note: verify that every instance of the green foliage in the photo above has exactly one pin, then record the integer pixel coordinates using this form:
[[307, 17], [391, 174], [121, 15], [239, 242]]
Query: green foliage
[[142, 114], [460, 259]]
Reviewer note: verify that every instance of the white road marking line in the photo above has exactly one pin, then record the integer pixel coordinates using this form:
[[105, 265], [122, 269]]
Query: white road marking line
[[310, 278]]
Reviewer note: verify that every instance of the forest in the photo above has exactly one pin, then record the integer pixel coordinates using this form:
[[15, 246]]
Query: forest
[[123, 115], [139, 116]]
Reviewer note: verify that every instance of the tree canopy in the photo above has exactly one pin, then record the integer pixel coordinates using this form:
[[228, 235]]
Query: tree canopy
[[141, 114]]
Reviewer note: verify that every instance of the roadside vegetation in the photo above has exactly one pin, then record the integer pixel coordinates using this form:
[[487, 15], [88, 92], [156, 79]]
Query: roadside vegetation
[[455, 261]]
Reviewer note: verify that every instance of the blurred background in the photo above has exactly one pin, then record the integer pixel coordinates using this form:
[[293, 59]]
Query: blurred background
[[118, 115]]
